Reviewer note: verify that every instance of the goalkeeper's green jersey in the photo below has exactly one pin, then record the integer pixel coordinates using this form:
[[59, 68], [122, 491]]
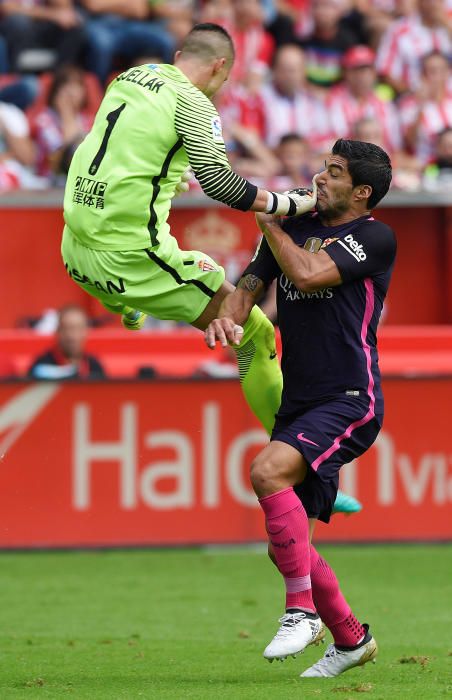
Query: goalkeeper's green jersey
[[152, 123]]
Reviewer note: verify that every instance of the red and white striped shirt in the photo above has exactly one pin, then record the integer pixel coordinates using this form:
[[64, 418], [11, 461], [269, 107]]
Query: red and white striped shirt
[[237, 105], [403, 45], [303, 114], [435, 116], [345, 110], [253, 50]]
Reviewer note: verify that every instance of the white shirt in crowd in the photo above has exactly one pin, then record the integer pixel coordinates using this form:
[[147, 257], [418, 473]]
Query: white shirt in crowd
[[304, 114], [345, 110], [403, 45]]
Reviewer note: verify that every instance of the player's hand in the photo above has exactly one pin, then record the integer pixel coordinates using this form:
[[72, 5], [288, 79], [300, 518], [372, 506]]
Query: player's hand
[[184, 184], [263, 220], [223, 330], [304, 199]]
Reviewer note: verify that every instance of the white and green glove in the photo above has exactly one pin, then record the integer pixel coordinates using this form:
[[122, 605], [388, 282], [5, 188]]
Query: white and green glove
[[184, 184], [294, 202]]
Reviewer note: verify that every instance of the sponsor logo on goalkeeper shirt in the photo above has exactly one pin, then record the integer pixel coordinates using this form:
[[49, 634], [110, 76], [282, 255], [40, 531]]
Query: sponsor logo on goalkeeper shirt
[[89, 193], [116, 286]]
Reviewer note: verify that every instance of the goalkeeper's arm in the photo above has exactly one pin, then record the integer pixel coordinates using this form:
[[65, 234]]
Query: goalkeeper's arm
[[199, 127], [292, 203]]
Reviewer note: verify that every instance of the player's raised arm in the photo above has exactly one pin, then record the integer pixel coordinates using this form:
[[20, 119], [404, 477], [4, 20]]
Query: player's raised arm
[[206, 58], [203, 141], [308, 271]]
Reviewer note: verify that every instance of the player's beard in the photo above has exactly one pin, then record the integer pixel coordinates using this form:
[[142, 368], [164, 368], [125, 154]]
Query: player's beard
[[331, 210]]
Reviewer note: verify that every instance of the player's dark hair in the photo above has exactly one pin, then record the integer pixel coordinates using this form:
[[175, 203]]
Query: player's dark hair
[[192, 44], [367, 164]]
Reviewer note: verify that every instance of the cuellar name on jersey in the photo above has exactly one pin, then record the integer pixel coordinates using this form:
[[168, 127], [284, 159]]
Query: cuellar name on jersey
[[141, 77]]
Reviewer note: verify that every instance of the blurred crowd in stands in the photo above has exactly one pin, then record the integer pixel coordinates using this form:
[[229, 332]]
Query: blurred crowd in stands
[[306, 72]]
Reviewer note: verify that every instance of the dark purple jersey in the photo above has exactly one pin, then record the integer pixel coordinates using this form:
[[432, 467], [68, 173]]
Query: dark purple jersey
[[329, 336]]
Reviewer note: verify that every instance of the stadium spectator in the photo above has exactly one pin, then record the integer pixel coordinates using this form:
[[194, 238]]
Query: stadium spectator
[[253, 45], [20, 91], [177, 16], [279, 23], [406, 169], [67, 359], [380, 14], [333, 268], [287, 104], [438, 174], [61, 125], [125, 30], [216, 11], [357, 98], [17, 151], [46, 24], [294, 163], [407, 40], [327, 42], [249, 155], [429, 110]]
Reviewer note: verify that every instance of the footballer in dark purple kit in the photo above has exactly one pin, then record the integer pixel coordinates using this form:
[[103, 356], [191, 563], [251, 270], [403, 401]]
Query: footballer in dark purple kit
[[333, 267]]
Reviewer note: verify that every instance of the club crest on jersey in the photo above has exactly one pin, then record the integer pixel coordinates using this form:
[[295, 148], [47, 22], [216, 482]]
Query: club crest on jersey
[[217, 131], [313, 244], [206, 266], [328, 241]]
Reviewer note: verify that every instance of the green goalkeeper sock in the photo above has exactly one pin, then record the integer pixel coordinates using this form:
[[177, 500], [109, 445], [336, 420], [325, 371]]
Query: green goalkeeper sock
[[259, 370]]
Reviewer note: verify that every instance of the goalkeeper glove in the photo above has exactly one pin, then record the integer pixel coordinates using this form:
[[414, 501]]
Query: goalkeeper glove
[[294, 202], [184, 184]]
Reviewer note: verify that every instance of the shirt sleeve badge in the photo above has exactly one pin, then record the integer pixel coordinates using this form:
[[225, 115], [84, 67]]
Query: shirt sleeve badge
[[217, 131]]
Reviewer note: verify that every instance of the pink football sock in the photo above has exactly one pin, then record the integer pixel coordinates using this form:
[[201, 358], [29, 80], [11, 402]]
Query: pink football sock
[[288, 531], [331, 605]]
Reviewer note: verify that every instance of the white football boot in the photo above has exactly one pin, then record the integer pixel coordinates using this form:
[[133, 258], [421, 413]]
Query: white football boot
[[297, 631], [335, 661]]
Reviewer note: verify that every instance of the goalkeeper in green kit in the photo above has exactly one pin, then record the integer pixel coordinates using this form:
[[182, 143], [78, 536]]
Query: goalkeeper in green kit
[[154, 122]]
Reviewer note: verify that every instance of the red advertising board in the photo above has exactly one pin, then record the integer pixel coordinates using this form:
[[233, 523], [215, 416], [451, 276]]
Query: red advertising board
[[424, 240], [166, 463]]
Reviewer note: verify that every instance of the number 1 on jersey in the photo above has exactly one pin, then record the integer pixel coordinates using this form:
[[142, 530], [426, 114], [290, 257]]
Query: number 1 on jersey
[[112, 118]]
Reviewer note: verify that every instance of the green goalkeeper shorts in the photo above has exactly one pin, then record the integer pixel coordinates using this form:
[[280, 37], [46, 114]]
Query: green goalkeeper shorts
[[176, 286]]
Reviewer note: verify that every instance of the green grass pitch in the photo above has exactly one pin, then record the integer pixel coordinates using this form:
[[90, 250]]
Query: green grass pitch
[[193, 623]]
